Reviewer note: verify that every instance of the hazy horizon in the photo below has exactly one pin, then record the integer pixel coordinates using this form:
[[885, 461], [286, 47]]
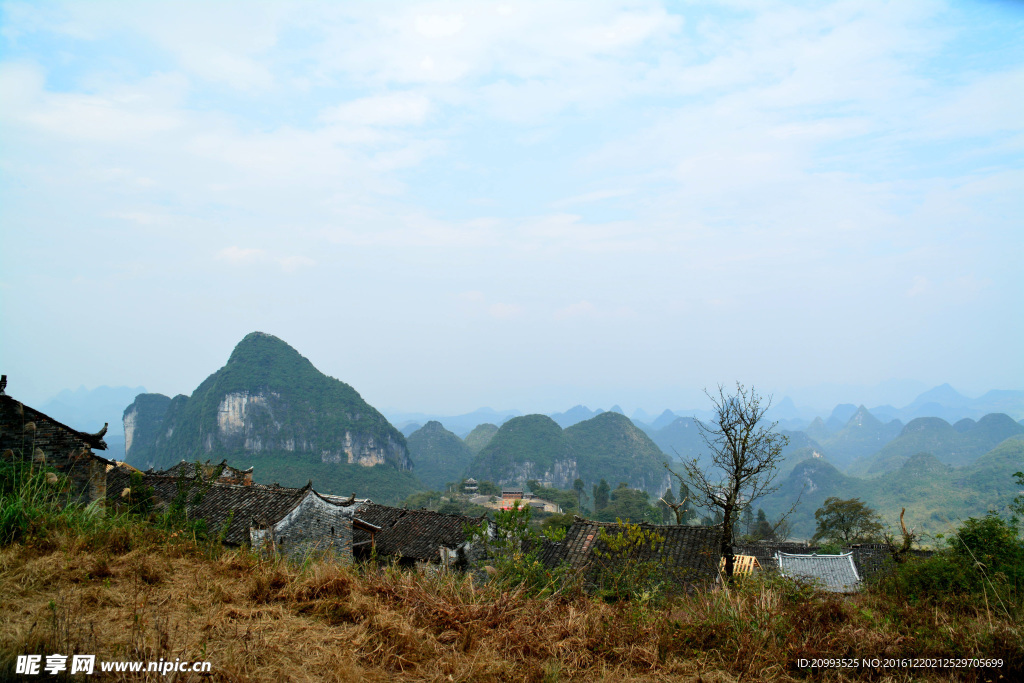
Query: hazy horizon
[[516, 205], [899, 398]]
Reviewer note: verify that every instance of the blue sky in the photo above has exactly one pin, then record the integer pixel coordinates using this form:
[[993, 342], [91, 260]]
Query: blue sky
[[526, 205]]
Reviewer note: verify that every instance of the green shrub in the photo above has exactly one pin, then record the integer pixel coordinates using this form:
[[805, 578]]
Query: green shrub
[[982, 561], [940, 575], [629, 563], [513, 548], [991, 545]]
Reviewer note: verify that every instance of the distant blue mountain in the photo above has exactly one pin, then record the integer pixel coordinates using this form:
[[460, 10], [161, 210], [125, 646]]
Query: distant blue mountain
[[575, 415], [457, 424], [665, 419], [947, 403], [87, 409]]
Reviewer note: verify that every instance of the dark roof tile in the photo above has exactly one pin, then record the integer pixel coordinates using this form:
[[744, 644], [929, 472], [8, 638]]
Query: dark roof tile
[[690, 554]]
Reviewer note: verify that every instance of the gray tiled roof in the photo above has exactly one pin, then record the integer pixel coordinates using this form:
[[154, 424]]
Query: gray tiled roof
[[834, 573], [690, 554], [240, 507], [412, 534], [766, 552]]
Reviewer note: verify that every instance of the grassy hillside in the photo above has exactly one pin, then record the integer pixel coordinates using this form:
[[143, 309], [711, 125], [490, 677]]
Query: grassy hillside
[[438, 456], [126, 589]]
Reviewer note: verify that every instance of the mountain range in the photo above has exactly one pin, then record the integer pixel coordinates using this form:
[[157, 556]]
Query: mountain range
[[269, 407], [936, 496]]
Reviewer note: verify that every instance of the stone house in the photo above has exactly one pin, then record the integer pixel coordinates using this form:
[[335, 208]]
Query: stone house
[[291, 521], [688, 557], [315, 524], [29, 435], [413, 537]]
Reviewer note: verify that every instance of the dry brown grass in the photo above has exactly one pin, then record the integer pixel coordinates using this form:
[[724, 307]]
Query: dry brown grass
[[257, 620]]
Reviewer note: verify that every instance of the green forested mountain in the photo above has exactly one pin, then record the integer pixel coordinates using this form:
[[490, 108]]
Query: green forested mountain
[[800, 447], [679, 439], [861, 436], [608, 447], [953, 446], [817, 430], [524, 448], [269, 406], [438, 455], [936, 495], [612, 448], [480, 437]]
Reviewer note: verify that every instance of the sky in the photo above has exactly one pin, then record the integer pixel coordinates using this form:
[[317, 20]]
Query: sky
[[452, 205]]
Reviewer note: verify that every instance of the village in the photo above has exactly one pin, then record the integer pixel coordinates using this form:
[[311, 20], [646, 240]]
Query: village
[[298, 523]]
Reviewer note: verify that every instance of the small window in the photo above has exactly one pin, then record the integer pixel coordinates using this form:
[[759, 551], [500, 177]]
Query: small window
[[332, 531]]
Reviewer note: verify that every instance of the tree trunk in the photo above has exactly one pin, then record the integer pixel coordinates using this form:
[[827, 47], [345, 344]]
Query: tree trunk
[[727, 543]]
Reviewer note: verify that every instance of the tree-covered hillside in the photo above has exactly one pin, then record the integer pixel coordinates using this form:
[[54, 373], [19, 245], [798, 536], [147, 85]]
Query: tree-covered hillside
[[268, 400], [936, 495], [861, 436], [524, 448], [480, 437], [954, 446], [438, 456], [680, 439], [608, 446], [612, 448]]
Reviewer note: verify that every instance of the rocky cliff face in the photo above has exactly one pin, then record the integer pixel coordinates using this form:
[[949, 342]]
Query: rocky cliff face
[[561, 473], [268, 399], [143, 425]]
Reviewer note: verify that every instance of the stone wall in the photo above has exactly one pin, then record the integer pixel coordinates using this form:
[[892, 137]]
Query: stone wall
[[315, 525]]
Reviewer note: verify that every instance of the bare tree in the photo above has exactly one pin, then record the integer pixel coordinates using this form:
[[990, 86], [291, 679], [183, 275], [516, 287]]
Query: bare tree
[[745, 456]]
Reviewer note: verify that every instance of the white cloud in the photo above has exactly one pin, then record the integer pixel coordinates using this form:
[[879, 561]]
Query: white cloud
[[440, 26], [242, 255], [505, 311], [122, 116], [576, 310], [740, 160], [248, 256], [585, 310], [392, 109]]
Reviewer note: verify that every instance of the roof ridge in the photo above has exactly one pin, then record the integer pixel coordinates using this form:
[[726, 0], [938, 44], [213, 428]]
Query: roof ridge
[[91, 439]]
